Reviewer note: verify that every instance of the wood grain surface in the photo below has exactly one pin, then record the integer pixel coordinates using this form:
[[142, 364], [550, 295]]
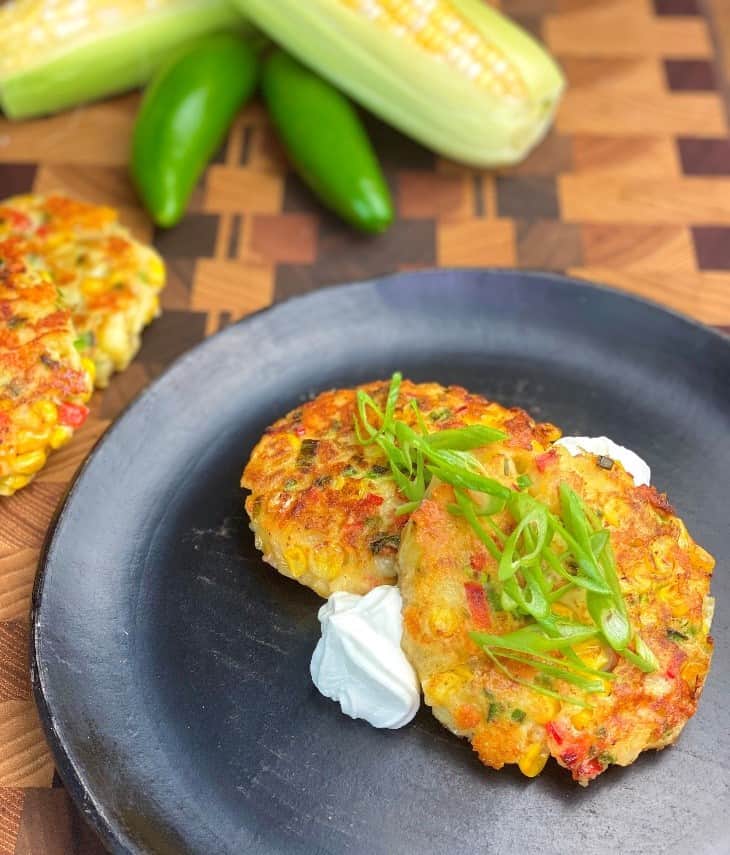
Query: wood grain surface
[[631, 188]]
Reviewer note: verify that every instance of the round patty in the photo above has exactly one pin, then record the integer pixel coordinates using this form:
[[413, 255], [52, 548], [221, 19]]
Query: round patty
[[322, 505], [44, 382], [450, 587], [109, 280]]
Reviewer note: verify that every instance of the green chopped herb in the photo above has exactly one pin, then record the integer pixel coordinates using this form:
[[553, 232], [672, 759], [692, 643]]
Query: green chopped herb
[[517, 715], [495, 709], [86, 339], [493, 597], [524, 481], [440, 415]]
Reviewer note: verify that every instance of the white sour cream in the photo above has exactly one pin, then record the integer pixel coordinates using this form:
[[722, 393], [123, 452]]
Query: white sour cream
[[359, 661], [605, 447]]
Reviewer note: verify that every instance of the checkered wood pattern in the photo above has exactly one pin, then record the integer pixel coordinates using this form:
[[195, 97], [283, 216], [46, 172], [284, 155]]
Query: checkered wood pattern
[[631, 188]]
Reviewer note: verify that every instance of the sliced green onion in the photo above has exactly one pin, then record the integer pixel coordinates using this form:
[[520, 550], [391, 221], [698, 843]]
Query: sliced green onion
[[536, 687], [526, 555], [643, 658], [467, 508], [465, 438]]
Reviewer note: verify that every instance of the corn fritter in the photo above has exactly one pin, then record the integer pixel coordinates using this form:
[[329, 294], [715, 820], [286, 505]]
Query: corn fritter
[[109, 280], [323, 506], [450, 586], [44, 381]]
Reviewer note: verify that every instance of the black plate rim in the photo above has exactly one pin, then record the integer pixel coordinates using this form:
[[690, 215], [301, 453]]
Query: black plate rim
[[111, 836]]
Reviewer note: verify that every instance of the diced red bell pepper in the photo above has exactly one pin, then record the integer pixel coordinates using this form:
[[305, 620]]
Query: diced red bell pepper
[[477, 603], [554, 733], [589, 769], [546, 459], [72, 415], [18, 220]]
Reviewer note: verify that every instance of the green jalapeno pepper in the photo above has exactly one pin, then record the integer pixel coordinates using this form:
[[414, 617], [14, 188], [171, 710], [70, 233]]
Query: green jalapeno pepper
[[185, 114], [326, 142]]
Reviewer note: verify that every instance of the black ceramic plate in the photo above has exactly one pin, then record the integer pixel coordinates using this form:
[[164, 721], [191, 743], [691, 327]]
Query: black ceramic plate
[[171, 664]]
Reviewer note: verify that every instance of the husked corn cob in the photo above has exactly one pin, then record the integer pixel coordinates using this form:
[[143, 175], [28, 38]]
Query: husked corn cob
[[43, 381], [455, 74], [55, 53], [110, 281]]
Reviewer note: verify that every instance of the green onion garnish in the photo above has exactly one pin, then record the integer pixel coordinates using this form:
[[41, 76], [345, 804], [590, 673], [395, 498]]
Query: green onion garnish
[[540, 558]]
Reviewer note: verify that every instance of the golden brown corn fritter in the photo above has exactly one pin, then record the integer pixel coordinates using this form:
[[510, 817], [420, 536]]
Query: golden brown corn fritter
[[108, 280], [449, 582], [322, 506], [77, 291], [44, 381]]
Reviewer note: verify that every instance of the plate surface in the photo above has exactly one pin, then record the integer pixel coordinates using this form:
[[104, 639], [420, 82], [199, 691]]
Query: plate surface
[[171, 665]]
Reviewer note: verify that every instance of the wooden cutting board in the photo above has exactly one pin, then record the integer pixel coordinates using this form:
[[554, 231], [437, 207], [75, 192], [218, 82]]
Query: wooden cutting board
[[631, 188]]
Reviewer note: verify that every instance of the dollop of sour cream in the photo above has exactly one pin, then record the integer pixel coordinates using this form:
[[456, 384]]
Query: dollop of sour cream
[[359, 661], [605, 447]]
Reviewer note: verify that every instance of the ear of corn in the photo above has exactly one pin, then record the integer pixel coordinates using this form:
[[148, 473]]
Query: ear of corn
[[55, 54], [454, 74]]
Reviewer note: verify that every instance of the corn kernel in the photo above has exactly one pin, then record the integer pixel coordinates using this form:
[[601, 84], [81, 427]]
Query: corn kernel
[[89, 367], [533, 760], [581, 719], [661, 554], [153, 310], [330, 564], [28, 441], [296, 561], [613, 511], [593, 653], [30, 463], [562, 610], [156, 271], [544, 709], [690, 671], [56, 239], [440, 688], [25, 417], [92, 286], [443, 621], [47, 410], [10, 483], [114, 340], [60, 435], [678, 606]]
